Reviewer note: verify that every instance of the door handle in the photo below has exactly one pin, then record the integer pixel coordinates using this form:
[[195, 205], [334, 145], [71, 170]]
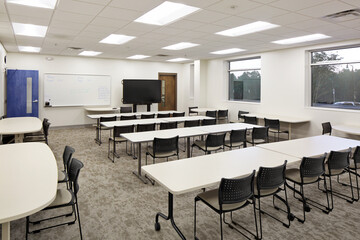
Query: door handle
[[35, 101]]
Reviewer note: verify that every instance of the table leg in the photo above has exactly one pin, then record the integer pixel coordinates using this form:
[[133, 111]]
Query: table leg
[[5, 231], [289, 131], [138, 173], [97, 139], [188, 147], [169, 217], [19, 138]]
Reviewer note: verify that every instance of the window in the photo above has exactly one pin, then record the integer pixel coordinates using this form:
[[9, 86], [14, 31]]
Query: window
[[245, 79], [335, 78]]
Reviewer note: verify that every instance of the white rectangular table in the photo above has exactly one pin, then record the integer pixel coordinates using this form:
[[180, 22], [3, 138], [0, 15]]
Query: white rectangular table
[[19, 126], [287, 119], [187, 175], [311, 146], [102, 109], [354, 130], [204, 110], [28, 181]]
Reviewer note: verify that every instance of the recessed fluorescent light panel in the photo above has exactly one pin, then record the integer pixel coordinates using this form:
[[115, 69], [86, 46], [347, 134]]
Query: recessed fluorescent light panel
[[228, 51], [165, 13], [29, 30], [180, 46], [29, 49], [89, 53], [138, 57], [117, 39], [178, 60], [305, 38], [247, 29], [35, 3]]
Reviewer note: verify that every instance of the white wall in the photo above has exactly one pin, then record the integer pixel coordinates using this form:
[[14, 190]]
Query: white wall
[[2, 80], [117, 69], [284, 90]]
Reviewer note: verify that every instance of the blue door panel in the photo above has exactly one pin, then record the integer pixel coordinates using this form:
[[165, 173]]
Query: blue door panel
[[17, 94]]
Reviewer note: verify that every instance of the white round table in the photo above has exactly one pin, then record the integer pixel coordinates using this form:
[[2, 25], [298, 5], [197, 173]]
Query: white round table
[[19, 126]]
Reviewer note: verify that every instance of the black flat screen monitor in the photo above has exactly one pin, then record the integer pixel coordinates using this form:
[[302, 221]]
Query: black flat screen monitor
[[141, 91]]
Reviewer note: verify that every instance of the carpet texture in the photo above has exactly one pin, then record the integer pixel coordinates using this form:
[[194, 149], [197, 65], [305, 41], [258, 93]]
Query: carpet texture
[[114, 204]]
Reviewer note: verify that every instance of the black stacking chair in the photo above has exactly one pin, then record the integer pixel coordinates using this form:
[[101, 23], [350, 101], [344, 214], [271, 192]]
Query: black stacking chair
[[206, 122], [130, 117], [250, 120], [311, 170], [64, 198], [192, 112], [237, 139], [100, 128], [164, 148], [40, 133], [146, 116], [337, 164], [223, 115], [269, 182], [168, 125], [63, 174], [163, 115], [274, 127], [192, 123], [144, 128], [40, 138], [125, 109], [178, 114], [116, 138], [213, 143], [241, 113], [232, 195], [259, 135], [326, 128], [353, 167], [211, 114]]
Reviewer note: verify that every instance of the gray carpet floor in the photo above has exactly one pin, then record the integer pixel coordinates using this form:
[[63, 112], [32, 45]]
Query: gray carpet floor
[[114, 204]]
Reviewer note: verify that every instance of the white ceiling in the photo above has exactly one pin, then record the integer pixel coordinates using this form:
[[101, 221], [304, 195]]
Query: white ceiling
[[83, 23]]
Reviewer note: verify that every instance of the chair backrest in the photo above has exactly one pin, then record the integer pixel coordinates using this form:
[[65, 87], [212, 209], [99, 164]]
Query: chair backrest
[[223, 113], [240, 114], [73, 173], [190, 108], [356, 155], [67, 155], [125, 109], [123, 129], [46, 127], [260, 133], [271, 177], [178, 114], [130, 117], [272, 123], [192, 123], [145, 127], [312, 167], [163, 115], [107, 119], [338, 159], [205, 122], [215, 140], [145, 116], [236, 190], [211, 114], [237, 136], [168, 125], [326, 128], [250, 120], [161, 145]]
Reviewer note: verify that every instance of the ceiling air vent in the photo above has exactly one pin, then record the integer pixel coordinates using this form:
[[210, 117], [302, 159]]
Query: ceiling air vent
[[343, 16], [162, 55], [74, 48]]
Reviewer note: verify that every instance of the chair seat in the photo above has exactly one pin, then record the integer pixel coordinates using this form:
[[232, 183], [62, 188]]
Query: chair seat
[[118, 139], [263, 192], [234, 144], [294, 175], [211, 197], [63, 197], [62, 176], [333, 171], [39, 133], [35, 138], [273, 130], [161, 154], [201, 145]]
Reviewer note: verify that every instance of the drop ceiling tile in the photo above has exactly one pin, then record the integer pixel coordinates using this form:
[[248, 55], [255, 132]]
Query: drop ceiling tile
[[71, 17], [68, 25], [185, 24], [16, 9], [79, 7], [99, 2], [51, 51], [210, 28], [135, 5], [233, 7], [139, 27], [289, 18], [355, 3], [308, 24], [108, 22], [325, 9], [32, 20], [168, 31], [194, 34], [265, 1], [120, 13], [4, 17], [263, 13], [351, 24], [10, 47], [62, 33], [98, 29], [29, 41], [295, 5], [206, 16], [233, 21]]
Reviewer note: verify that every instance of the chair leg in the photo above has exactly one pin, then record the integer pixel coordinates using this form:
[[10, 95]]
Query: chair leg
[[221, 229], [195, 201], [78, 215]]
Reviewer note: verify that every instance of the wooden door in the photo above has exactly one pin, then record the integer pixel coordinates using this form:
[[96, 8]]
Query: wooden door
[[168, 91]]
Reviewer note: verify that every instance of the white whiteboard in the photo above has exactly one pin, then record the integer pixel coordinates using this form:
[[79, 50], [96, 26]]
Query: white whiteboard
[[76, 89]]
